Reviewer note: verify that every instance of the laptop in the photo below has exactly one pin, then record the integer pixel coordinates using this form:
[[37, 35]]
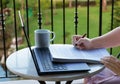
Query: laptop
[[43, 61]]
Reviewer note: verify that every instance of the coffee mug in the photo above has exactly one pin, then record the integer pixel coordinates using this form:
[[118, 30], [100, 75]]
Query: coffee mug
[[42, 38]]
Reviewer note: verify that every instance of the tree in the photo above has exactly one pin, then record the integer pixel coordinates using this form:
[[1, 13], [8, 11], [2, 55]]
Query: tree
[[70, 3], [104, 5], [5, 2], [45, 5], [116, 17]]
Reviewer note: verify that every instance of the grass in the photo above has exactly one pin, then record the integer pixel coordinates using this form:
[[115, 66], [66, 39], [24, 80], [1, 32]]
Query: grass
[[69, 23]]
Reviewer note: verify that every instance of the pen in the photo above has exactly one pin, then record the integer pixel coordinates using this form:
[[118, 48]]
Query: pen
[[84, 35], [81, 37], [118, 56]]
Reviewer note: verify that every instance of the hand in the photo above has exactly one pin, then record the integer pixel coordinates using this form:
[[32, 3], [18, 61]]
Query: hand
[[75, 38], [112, 63], [81, 43]]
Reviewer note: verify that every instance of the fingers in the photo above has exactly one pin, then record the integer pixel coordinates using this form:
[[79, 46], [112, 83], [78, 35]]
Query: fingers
[[111, 63], [81, 43], [84, 43], [108, 61], [111, 60], [75, 38]]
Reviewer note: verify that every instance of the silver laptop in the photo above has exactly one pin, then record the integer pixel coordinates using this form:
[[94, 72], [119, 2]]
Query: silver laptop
[[44, 64]]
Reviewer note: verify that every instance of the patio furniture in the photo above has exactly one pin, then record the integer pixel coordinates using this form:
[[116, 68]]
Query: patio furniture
[[21, 63]]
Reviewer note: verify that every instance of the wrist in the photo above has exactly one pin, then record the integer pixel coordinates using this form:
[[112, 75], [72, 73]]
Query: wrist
[[95, 43]]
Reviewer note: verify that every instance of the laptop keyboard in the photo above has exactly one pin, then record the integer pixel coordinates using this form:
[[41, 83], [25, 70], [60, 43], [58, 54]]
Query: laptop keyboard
[[47, 63]]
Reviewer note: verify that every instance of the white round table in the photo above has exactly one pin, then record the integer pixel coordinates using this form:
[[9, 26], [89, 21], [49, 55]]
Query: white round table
[[21, 64]]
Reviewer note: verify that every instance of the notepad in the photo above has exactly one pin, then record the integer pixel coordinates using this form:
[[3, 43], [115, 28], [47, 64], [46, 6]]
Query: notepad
[[68, 53]]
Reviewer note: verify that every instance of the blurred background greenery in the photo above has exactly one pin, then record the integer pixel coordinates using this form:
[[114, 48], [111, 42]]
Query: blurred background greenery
[[58, 18]]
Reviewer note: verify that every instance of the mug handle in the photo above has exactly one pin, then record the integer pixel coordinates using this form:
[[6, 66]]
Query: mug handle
[[53, 36]]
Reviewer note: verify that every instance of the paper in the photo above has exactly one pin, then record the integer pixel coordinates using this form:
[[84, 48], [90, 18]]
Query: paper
[[68, 53]]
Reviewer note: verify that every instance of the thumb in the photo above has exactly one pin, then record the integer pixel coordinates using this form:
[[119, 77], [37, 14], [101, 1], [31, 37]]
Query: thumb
[[81, 44]]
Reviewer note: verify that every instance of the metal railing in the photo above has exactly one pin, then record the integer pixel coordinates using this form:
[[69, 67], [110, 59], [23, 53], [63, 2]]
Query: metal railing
[[39, 21]]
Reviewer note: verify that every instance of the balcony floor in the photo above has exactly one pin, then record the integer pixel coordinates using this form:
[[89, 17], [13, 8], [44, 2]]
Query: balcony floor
[[2, 72]]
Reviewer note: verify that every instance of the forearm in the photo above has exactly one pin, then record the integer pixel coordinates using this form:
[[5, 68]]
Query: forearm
[[110, 39]]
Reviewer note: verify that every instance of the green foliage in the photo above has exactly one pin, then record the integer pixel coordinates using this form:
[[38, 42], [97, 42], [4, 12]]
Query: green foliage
[[45, 4], [5, 2], [58, 20], [116, 17], [59, 3]]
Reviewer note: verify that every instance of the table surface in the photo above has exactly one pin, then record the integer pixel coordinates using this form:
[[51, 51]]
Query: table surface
[[21, 63]]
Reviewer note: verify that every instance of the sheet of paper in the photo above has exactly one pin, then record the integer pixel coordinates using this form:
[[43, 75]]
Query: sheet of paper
[[66, 52]]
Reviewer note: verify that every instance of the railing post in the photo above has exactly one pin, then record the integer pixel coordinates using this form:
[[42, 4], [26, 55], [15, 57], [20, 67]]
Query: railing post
[[88, 18], [15, 24], [3, 35], [76, 17], [112, 14], [100, 19], [27, 19], [64, 37], [52, 18], [39, 15]]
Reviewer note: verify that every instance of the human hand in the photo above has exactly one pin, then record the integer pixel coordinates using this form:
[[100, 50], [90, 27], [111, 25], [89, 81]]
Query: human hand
[[112, 63], [81, 43], [75, 38]]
